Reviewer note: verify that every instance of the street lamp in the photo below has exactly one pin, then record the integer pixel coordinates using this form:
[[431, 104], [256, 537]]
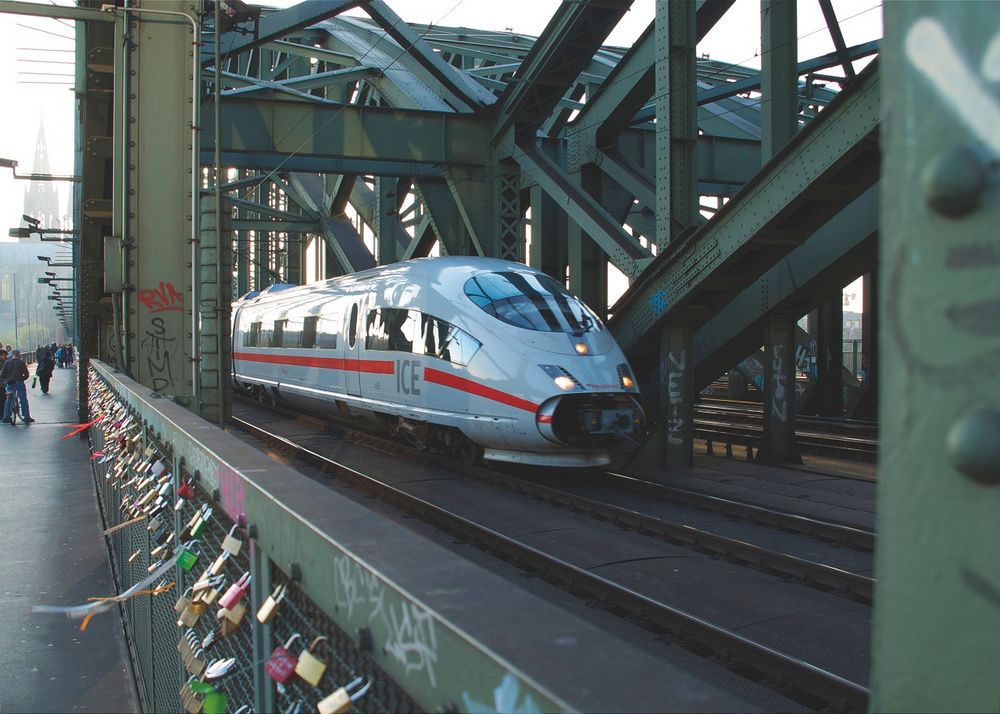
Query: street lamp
[[12, 165]]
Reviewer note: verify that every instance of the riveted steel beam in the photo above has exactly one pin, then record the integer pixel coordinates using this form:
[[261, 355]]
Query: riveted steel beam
[[839, 149], [66, 12], [569, 41], [275, 26], [386, 140]]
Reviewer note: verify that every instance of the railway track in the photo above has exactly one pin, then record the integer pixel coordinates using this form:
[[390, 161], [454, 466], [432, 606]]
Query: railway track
[[798, 679], [741, 423]]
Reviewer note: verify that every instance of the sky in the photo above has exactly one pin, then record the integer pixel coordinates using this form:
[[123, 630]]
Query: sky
[[34, 57]]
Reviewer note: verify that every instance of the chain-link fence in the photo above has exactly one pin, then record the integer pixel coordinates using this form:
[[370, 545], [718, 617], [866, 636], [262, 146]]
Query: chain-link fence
[[160, 516]]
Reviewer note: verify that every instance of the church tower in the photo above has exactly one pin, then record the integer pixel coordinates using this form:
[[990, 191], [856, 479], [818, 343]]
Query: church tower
[[41, 200]]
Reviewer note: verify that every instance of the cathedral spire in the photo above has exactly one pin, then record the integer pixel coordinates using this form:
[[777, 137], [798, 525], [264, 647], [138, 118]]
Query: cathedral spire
[[41, 200]]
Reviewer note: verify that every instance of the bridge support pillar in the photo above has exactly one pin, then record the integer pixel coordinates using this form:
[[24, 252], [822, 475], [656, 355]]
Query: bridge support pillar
[[779, 444], [676, 416], [829, 357], [215, 305], [866, 405], [588, 264], [779, 75]]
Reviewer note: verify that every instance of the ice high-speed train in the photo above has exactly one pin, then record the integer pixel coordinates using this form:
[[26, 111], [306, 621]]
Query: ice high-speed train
[[465, 355]]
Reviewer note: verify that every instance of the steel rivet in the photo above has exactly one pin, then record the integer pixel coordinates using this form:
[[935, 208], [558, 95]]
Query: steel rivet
[[973, 445], [954, 180]]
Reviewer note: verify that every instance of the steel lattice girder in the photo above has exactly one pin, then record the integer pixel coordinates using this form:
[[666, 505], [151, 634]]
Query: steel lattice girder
[[831, 161]]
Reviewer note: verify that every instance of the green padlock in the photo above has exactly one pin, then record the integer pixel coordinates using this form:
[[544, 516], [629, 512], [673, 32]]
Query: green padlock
[[187, 559], [215, 702], [198, 528]]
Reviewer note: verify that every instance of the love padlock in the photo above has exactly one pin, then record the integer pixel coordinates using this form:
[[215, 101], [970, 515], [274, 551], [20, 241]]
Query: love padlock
[[268, 609], [198, 528], [342, 699], [191, 614], [280, 666], [231, 544], [187, 558], [235, 592], [310, 667], [183, 601]]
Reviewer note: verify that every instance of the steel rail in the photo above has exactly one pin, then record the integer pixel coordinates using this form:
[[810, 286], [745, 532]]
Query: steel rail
[[824, 530], [807, 682]]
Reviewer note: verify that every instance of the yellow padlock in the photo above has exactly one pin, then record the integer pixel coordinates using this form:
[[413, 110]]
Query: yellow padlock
[[310, 667]]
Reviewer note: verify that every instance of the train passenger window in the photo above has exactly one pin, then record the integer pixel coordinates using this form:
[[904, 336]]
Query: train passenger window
[[250, 337], [390, 328], [291, 335], [278, 335], [531, 301], [309, 332], [352, 328], [327, 335], [264, 336], [445, 341]]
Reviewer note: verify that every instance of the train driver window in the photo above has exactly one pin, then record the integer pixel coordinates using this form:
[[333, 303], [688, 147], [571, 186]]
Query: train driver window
[[352, 327], [531, 301], [309, 332]]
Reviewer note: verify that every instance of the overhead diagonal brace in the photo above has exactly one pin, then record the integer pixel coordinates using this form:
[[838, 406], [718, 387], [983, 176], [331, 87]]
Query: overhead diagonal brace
[[461, 86], [624, 251], [277, 25]]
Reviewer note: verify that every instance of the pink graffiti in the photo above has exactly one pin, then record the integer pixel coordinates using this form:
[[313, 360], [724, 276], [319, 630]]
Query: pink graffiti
[[232, 493]]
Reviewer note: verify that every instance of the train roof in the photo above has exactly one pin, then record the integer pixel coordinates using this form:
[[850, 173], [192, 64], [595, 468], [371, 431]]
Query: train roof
[[445, 274]]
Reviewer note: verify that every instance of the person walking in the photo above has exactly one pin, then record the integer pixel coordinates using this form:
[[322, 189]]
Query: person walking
[[44, 370], [61, 358], [14, 373]]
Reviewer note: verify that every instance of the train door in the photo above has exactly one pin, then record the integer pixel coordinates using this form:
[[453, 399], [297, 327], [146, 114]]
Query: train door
[[353, 345]]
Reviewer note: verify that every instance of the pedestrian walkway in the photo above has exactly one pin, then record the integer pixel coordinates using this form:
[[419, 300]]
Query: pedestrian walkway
[[52, 553]]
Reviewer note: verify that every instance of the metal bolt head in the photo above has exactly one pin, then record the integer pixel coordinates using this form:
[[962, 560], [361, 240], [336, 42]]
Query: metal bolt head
[[973, 445], [953, 181]]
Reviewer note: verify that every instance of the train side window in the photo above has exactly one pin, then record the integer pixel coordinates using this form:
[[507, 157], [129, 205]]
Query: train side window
[[352, 328], [327, 335], [253, 337], [309, 332], [291, 335], [445, 341], [278, 335], [376, 330], [264, 336]]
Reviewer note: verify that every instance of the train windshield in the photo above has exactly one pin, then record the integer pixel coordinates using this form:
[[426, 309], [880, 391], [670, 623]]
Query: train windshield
[[531, 301]]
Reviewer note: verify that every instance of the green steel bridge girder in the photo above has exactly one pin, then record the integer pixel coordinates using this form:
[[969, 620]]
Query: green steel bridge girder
[[830, 162], [344, 139]]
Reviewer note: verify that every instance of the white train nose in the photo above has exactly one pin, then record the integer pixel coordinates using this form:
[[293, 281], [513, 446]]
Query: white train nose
[[596, 419]]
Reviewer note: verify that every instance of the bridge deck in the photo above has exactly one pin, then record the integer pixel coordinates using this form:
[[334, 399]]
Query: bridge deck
[[53, 554]]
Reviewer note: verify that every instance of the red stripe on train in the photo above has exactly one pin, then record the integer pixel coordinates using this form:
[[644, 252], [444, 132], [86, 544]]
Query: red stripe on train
[[357, 365], [467, 385]]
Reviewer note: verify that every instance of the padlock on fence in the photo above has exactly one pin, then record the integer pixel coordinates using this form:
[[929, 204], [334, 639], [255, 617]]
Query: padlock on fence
[[310, 667], [199, 527], [342, 699], [235, 592], [190, 615], [280, 666], [231, 544], [233, 614], [183, 601], [219, 563], [268, 609], [188, 557]]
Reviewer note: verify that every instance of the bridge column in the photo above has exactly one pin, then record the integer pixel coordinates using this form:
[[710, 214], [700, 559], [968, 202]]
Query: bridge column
[[161, 207], [676, 416], [214, 292], [779, 84], [829, 356], [588, 264], [867, 403], [677, 128], [779, 443]]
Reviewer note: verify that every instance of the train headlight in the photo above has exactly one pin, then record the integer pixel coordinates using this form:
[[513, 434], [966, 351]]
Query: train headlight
[[581, 348], [564, 383], [625, 376]]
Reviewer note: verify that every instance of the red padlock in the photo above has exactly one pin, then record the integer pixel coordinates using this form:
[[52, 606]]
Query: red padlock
[[235, 592], [280, 666], [185, 490]]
